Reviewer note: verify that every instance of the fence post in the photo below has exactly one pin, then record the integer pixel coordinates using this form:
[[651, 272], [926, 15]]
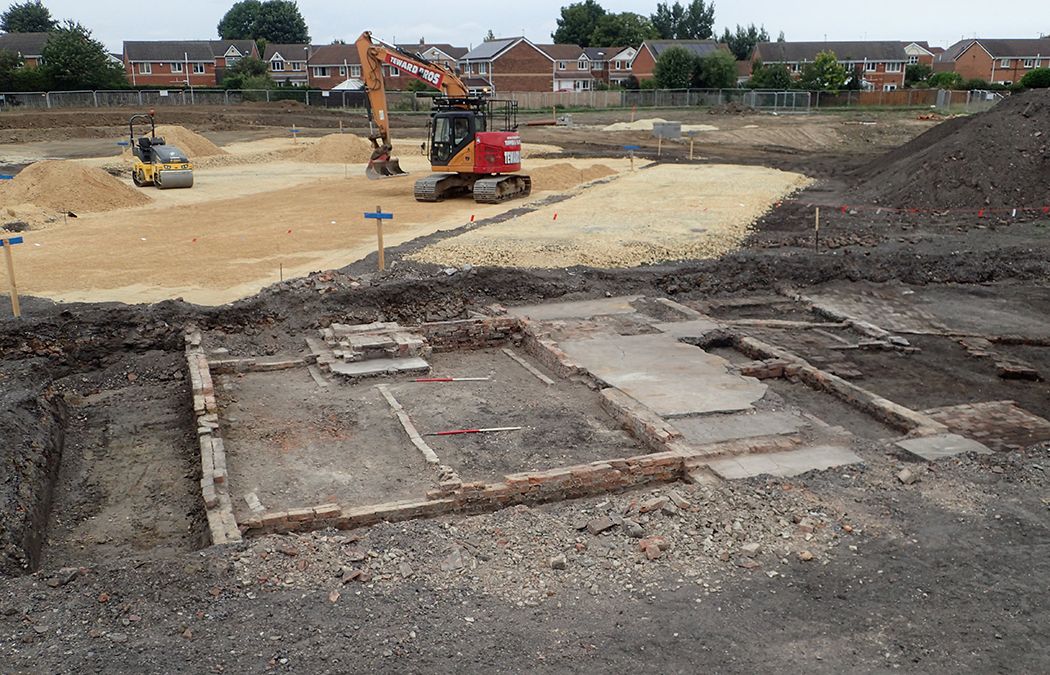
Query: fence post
[[94, 95], [47, 98], [226, 96]]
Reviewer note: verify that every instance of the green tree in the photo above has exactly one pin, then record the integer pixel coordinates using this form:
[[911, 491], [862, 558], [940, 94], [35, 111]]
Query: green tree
[[577, 23], [621, 30], [915, 73], [240, 20], [27, 17], [73, 60], [770, 76], [699, 21], [717, 70], [248, 73], [854, 78], [742, 42], [9, 65], [270, 20], [674, 69], [694, 21], [824, 74], [1038, 78], [945, 80]]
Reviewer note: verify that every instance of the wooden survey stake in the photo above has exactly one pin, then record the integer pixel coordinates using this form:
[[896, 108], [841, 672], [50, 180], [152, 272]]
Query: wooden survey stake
[[816, 230], [379, 217], [7, 243]]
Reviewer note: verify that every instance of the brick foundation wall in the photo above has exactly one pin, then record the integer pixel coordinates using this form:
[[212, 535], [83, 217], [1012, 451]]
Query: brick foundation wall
[[215, 488], [467, 334]]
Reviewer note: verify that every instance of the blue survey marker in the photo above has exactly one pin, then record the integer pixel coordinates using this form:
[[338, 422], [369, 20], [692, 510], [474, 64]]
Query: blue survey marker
[[379, 215], [632, 147], [12, 241], [5, 176]]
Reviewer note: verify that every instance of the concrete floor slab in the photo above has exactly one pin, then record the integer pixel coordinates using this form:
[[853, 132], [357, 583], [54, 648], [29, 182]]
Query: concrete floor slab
[[790, 463], [371, 367], [580, 309], [932, 448], [706, 429], [695, 328], [671, 378]]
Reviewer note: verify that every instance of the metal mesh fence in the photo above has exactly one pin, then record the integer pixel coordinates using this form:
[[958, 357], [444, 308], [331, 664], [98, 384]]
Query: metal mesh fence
[[780, 101]]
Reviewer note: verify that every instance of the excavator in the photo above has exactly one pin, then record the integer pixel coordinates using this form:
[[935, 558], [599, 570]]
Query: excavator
[[467, 155]]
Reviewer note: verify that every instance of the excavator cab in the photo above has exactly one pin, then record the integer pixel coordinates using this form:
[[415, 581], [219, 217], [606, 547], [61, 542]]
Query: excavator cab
[[451, 133]]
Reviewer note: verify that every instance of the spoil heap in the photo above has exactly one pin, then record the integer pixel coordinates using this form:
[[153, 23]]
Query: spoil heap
[[337, 149], [70, 186], [193, 144], [996, 159], [565, 176]]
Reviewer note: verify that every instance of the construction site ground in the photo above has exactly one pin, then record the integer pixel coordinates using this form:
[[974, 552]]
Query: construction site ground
[[816, 370]]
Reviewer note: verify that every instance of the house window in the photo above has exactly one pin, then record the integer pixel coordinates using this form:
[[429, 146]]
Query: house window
[[893, 67], [1038, 63], [394, 72], [320, 71], [230, 60], [583, 65], [619, 65], [912, 60], [355, 71], [198, 68], [889, 87], [562, 65], [277, 65], [342, 71], [585, 85], [794, 67], [176, 67], [1029, 63], [1004, 63], [483, 69], [297, 65], [871, 66], [145, 68]]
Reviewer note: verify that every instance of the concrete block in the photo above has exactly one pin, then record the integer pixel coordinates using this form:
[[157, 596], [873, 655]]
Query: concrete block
[[936, 447]]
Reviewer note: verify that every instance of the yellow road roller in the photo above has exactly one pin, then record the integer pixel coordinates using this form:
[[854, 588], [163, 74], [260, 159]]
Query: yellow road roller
[[157, 163]]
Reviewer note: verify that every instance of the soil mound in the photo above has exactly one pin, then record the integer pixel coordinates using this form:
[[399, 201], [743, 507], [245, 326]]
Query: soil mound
[[192, 143], [566, 176], [648, 124], [996, 159], [338, 149], [70, 186]]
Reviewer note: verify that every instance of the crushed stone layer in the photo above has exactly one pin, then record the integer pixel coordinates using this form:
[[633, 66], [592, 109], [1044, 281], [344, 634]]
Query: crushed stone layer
[[662, 213]]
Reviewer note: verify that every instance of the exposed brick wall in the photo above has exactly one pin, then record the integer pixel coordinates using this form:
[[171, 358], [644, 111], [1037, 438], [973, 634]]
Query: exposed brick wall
[[215, 488], [446, 336]]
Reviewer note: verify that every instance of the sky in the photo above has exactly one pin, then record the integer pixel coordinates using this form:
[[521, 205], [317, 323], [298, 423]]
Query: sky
[[939, 22]]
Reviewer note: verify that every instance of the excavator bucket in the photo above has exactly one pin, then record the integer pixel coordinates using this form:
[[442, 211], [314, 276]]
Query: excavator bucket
[[382, 165], [384, 168]]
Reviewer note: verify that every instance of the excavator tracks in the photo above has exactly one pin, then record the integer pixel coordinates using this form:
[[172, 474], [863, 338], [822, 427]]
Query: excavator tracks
[[488, 190], [501, 188]]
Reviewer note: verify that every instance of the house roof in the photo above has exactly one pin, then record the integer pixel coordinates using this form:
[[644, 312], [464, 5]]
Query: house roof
[[697, 47], [491, 49], [1003, 48], [797, 52], [180, 50], [26, 44], [288, 52], [335, 55], [601, 53], [421, 47], [562, 52]]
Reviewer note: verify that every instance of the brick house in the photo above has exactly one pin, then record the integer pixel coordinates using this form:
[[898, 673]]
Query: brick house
[[644, 62], [881, 63], [621, 67], [571, 67], [999, 61], [919, 53], [509, 64], [601, 61], [440, 53], [198, 63], [27, 46], [287, 63]]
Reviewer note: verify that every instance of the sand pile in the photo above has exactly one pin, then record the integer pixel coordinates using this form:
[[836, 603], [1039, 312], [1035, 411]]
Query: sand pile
[[337, 149], [997, 159], [192, 143], [647, 125], [70, 186], [566, 176]]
